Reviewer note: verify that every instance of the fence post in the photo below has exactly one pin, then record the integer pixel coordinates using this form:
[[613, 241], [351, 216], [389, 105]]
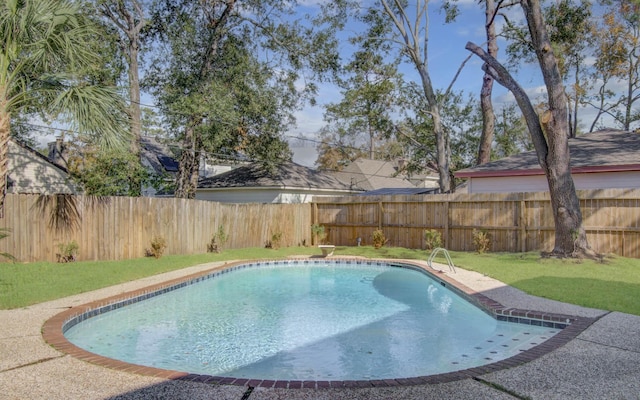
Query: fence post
[[446, 222], [314, 221], [522, 236]]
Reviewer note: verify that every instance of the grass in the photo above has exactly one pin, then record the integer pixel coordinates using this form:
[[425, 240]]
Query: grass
[[612, 285]]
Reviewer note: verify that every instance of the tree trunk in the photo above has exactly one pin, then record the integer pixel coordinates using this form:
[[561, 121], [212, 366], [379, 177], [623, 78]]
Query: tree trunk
[[553, 156], [189, 165], [443, 148], [5, 134], [125, 19], [488, 117], [136, 115], [372, 139], [571, 237]]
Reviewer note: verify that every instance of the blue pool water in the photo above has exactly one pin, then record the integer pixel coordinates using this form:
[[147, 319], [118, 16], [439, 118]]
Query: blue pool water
[[314, 321]]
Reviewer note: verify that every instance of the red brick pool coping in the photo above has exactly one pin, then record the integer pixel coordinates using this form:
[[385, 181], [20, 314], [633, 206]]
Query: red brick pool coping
[[571, 327]]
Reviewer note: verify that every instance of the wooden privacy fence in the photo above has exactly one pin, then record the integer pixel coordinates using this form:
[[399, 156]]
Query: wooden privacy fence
[[515, 222], [114, 228]]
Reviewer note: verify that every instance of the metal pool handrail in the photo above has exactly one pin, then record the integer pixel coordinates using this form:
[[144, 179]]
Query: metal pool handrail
[[435, 252]]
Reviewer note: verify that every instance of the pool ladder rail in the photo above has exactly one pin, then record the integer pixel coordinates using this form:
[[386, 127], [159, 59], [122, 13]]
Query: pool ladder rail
[[435, 252]]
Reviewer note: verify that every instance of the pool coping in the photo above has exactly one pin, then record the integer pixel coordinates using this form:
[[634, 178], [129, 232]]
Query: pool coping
[[571, 327]]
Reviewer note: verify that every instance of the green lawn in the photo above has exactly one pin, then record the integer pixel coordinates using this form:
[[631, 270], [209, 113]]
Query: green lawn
[[613, 285]]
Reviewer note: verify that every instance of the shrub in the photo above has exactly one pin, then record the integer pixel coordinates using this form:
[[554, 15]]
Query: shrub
[[218, 240], [318, 233], [379, 239], [481, 241], [432, 239], [158, 245], [67, 252], [275, 239]]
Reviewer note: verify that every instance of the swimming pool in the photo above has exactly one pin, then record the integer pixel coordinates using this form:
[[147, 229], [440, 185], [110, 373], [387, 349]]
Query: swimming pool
[[323, 320]]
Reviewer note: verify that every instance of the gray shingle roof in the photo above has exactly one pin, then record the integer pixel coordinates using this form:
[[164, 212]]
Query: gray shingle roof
[[399, 191], [605, 150], [367, 174], [158, 155], [288, 174]]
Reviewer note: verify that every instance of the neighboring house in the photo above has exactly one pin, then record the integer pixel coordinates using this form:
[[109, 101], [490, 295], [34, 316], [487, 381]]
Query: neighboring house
[[33, 173], [159, 160], [368, 175], [290, 183], [605, 159]]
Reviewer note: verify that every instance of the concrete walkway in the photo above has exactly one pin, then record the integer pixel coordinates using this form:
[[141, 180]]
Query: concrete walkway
[[603, 362]]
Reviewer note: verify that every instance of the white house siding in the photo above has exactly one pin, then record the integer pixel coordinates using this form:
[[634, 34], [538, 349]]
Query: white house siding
[[263, 195], [33, 174], [538, 183], [230, 195]]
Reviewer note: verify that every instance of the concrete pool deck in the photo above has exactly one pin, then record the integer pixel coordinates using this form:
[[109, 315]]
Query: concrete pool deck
[[601, 362]]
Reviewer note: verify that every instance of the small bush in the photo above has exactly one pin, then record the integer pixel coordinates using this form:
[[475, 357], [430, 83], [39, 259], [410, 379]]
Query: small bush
[[218, 240], [68, 252], [276, 238], [432, 239], [379, 239], [158, 245], [481, 241], [318, 233]]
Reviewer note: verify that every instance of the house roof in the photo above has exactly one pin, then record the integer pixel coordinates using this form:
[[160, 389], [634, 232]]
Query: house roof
[[399, 191], [286, 175], [367, 174], [602, 151], [41, 156], [158, 155]]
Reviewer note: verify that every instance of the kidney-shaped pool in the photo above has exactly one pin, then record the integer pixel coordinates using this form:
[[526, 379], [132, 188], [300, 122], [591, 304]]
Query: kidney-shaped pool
[[318, 320]]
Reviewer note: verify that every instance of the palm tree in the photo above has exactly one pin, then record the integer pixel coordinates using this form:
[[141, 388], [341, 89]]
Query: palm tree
[[43, 51]]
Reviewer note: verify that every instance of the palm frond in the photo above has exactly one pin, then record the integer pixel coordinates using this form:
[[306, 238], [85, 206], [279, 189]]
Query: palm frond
[[98, 112]]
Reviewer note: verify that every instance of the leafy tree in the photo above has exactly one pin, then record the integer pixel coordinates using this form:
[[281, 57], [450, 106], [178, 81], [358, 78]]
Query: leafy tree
[[461, 119], [213, 87], [571, 33], [549, 133], [413, 39], [43, 65], [617, 65], [337, 149], [151, 123], [369, 89], [511, 135], [107, 172], [129, 19]]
